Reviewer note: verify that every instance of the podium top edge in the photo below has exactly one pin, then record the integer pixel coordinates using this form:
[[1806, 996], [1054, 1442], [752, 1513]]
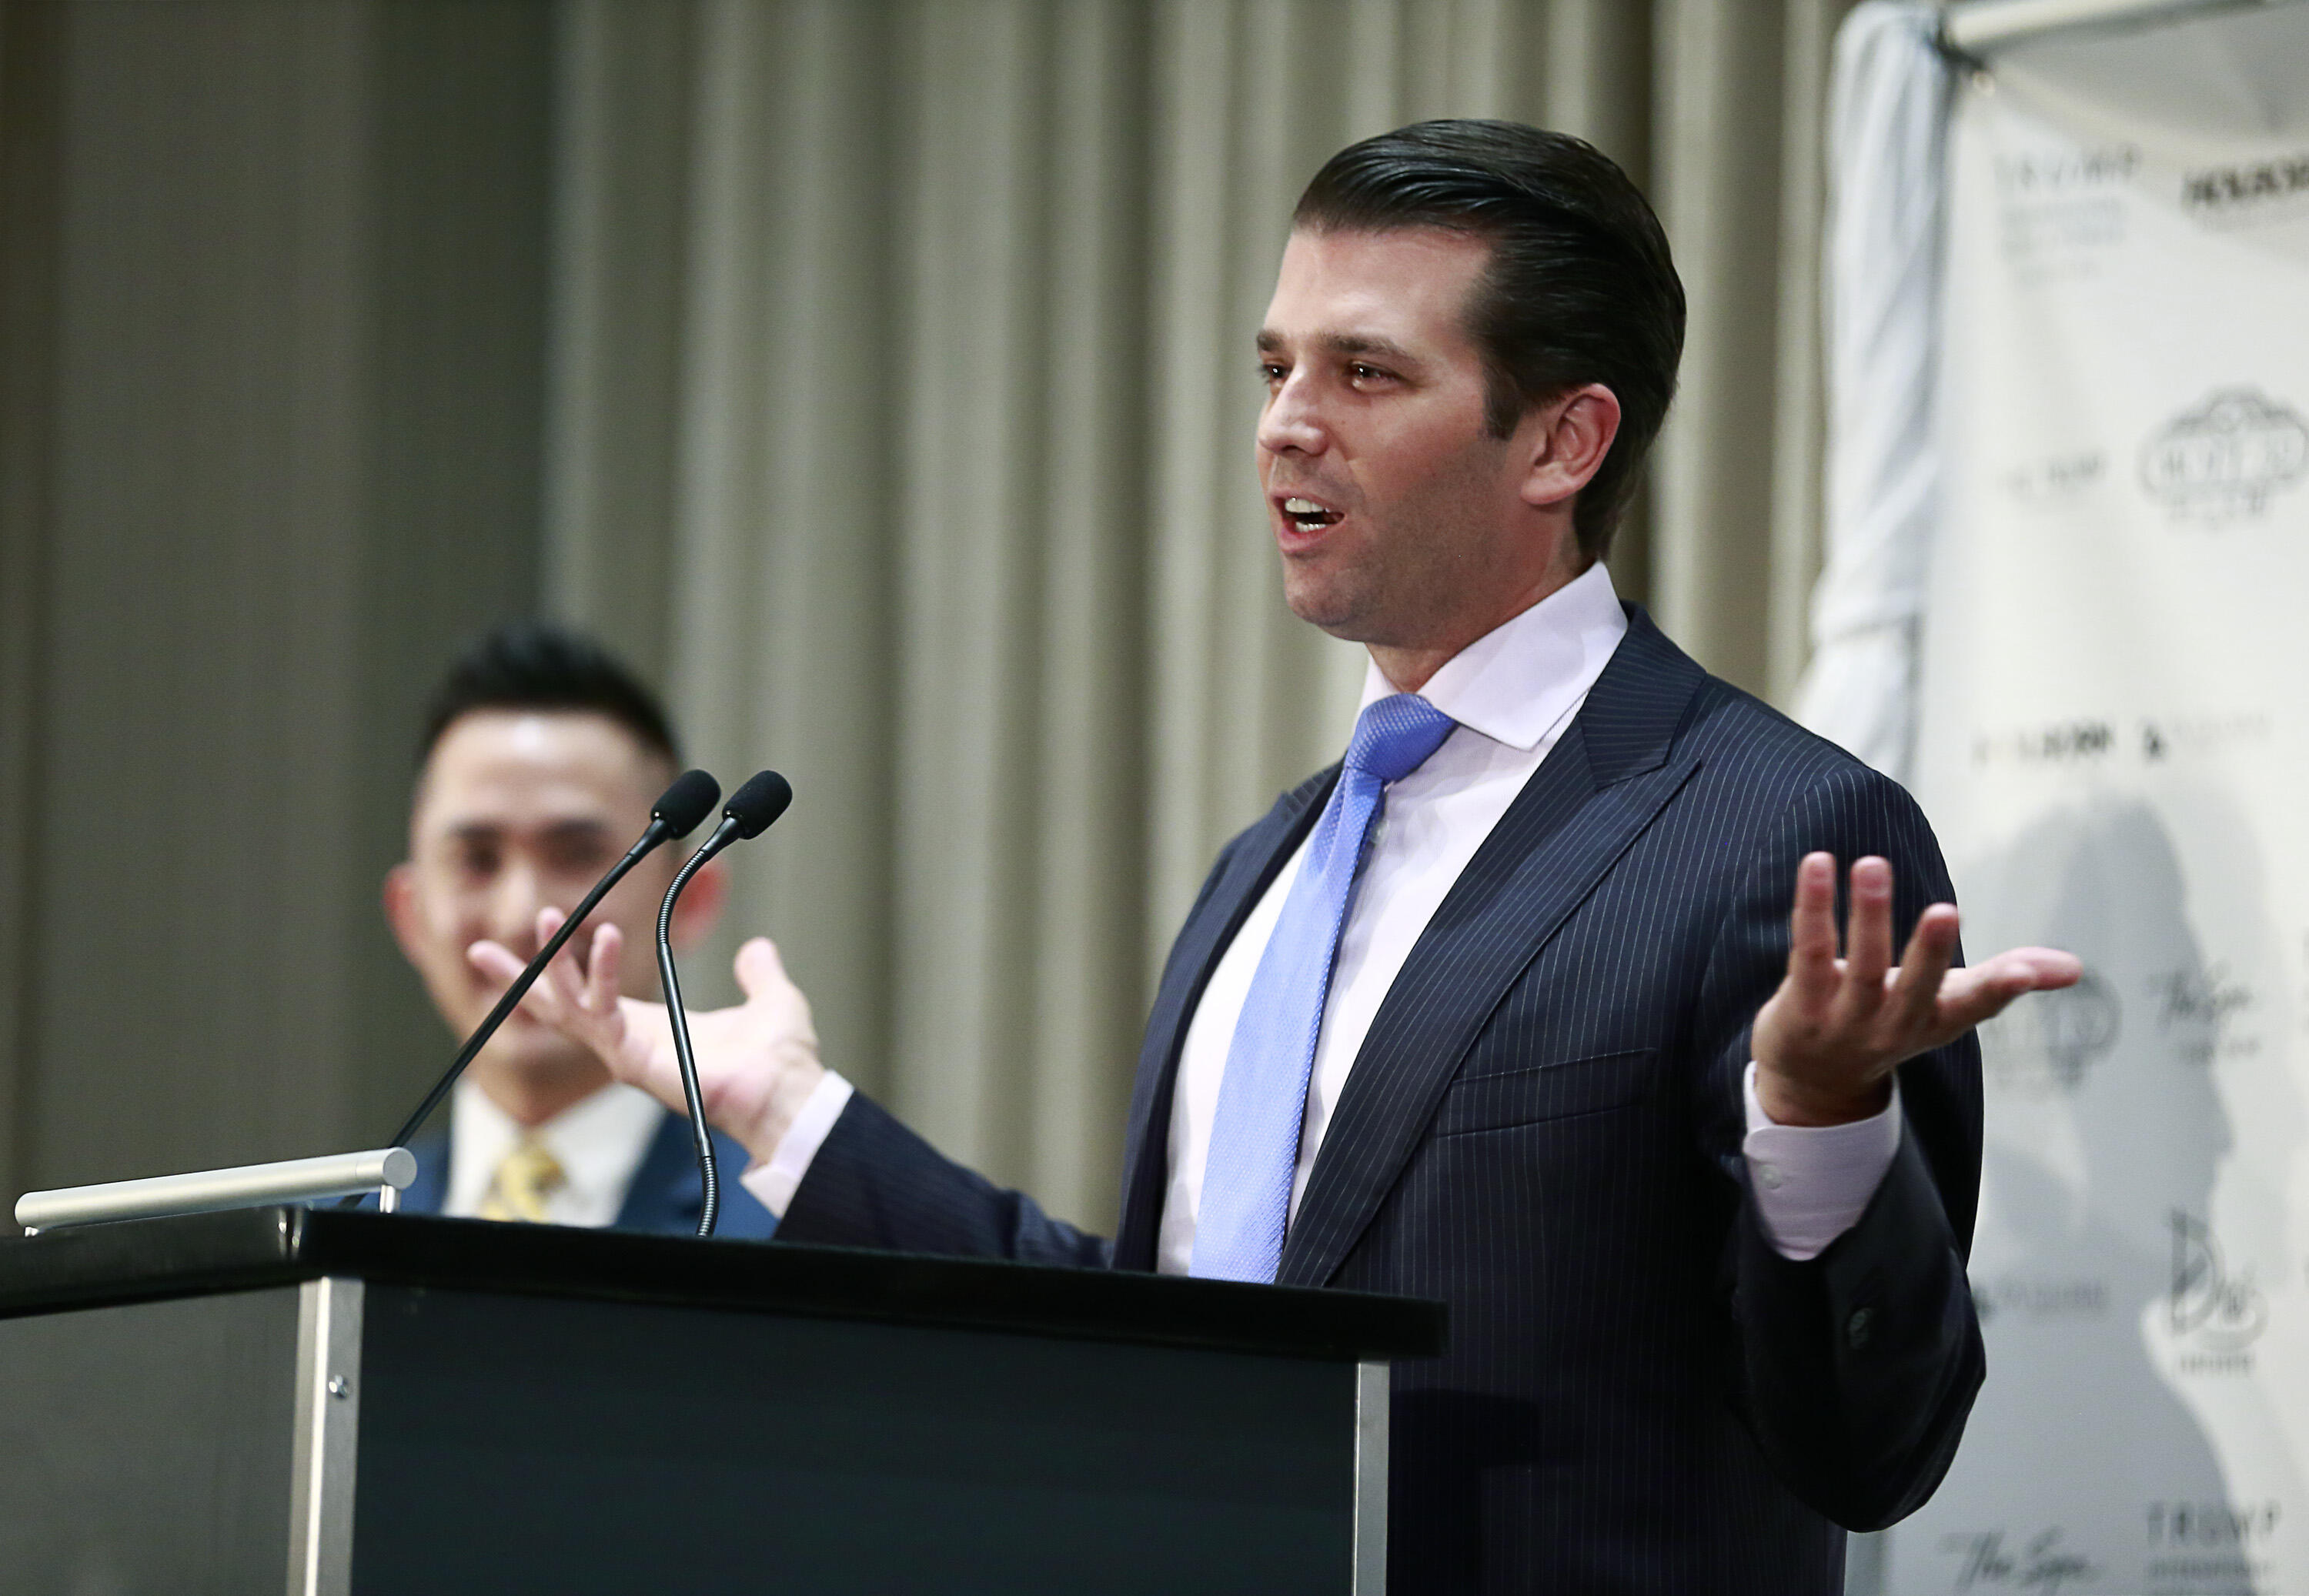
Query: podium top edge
[[197, 1255]]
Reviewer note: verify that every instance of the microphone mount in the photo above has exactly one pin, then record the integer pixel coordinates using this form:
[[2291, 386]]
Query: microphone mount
[[749, 813]]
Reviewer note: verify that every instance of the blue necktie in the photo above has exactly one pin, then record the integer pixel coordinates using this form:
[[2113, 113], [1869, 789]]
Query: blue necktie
[[1246, 1197]]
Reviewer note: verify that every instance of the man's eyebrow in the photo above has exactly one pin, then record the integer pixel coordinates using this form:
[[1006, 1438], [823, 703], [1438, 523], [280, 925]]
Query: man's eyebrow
[[1353, 343], [1346, 345], [491, 831]]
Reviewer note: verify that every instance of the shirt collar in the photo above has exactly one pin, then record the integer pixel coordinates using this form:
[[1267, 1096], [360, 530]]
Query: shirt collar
[[598, 1141], [1518, 682]]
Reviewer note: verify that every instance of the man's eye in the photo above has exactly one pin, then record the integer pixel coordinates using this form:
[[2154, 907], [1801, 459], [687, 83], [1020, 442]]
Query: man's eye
[[577, 857], [1271, 374], [1366, 373], [478, 861]]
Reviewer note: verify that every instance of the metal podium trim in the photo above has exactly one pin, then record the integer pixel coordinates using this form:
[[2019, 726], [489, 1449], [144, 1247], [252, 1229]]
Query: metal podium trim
[[385, 1170], [328, 1437], [1371, 1392]]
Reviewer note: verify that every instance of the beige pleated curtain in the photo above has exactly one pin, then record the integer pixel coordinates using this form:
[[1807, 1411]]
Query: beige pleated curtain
[[901, 422]]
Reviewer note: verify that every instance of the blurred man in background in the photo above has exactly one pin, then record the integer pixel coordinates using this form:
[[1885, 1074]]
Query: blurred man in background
[[540, 757]]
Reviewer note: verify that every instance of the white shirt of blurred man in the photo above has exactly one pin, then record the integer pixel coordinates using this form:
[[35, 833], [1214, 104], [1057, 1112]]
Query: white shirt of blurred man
[[518, 810]]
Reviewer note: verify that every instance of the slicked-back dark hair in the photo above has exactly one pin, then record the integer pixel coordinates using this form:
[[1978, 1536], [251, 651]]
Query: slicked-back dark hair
[[535, 665], [1580, 288]]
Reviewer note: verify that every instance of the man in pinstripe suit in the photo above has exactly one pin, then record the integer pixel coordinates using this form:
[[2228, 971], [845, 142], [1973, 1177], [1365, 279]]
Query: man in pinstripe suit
[[1698, 1191]]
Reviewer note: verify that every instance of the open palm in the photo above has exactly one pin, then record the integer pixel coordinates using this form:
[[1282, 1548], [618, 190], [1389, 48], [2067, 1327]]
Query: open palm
[[1827, 1041], [756, 1062]]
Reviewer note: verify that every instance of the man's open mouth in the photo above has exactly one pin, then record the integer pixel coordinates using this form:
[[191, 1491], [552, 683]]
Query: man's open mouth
[[1308, 515]]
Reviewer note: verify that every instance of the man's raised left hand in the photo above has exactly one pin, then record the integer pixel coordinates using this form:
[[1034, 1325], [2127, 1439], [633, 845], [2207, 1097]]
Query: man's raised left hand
[[1827, 1042]]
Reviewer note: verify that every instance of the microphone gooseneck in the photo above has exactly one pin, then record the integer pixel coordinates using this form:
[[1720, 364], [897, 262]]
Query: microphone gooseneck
[[750, 812], [675, 815]]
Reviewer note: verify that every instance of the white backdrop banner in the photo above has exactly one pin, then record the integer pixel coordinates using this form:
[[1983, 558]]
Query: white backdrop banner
[[2113, 744]]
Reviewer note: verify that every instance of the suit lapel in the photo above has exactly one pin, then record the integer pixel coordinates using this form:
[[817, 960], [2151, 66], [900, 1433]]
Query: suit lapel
[[1595, 792], [1236, 884], [429, 1192], [663, 1195]]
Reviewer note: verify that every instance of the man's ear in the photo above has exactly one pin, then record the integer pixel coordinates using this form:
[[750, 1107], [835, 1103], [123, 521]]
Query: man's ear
[[400, 907], [702, 903], [1570, 436]]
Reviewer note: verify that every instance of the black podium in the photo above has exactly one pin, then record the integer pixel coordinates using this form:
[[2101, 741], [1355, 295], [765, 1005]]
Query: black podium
[[323, 1402]]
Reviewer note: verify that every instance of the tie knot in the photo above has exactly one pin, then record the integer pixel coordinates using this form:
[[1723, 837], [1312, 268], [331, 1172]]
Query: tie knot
[[529, 1175], [1394, 736], [535, 1168]]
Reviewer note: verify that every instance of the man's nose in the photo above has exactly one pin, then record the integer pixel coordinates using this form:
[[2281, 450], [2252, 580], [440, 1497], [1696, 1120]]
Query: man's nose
[[1291, 424], [514, 899]]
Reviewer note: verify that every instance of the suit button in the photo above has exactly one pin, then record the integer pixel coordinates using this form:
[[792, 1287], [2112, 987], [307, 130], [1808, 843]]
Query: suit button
[[1855, 1328]]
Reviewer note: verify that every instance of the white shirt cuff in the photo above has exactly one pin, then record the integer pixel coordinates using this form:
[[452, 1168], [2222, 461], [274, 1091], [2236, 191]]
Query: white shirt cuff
[[775, 1181], [1813, 1183]]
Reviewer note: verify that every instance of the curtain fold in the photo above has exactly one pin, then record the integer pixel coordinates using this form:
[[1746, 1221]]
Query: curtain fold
[[903, 425], [1890, 129]]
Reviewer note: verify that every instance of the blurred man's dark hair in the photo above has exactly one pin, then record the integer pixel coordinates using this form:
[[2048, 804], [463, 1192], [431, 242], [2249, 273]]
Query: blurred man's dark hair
[[1580, 288], [536, 665]]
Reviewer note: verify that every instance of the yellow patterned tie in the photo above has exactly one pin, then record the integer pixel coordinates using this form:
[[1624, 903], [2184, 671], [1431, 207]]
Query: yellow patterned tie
[[529, 1175]]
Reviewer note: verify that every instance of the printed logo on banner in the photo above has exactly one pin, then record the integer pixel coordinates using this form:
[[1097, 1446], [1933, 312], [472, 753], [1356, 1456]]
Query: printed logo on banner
[[2222, 461], [2209, 1545], [2064, 742], [2202, 1006], [2184, 737], [2045, 1046], [2216, 1314], [2039, 1300], [2057, 479], [1997, 1559], [2058, 204], [2249, 192], [2064, 169], [2087, 741]]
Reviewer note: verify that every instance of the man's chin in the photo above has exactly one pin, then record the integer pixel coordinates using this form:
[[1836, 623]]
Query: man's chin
[[1328, 606], [521, 1031], [528, 1048]]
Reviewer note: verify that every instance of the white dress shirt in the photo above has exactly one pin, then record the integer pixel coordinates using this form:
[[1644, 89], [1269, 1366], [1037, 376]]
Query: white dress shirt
[[598, 1142], [1513, 692]]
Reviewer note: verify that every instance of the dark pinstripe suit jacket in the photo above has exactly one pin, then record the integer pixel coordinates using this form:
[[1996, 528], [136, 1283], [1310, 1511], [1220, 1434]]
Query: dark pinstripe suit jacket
[[1543, 1129]]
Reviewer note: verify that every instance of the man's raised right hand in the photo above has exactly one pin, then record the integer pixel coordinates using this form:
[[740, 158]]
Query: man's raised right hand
[[756, 1063]]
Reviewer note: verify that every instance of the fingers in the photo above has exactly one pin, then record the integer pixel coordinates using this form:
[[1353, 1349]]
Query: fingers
[[1841, 1024], [600, 994], [1868, 937], [498, 962], [2049, 968], [495, 961], [1969, 997], [1913, 996], [564, 977], [759, 970], [1811, 932], [1861, 1007]]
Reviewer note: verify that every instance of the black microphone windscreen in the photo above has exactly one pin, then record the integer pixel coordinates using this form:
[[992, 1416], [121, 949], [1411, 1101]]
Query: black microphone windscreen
[[690, 799], [761, 800]]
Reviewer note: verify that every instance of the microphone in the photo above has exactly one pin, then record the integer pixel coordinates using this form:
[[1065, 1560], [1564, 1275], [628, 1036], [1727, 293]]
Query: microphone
[[675, 815], [749, 814]]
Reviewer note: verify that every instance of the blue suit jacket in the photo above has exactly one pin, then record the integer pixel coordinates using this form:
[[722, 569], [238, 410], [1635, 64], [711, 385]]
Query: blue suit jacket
[[1543, 1129], [663, 1200]]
